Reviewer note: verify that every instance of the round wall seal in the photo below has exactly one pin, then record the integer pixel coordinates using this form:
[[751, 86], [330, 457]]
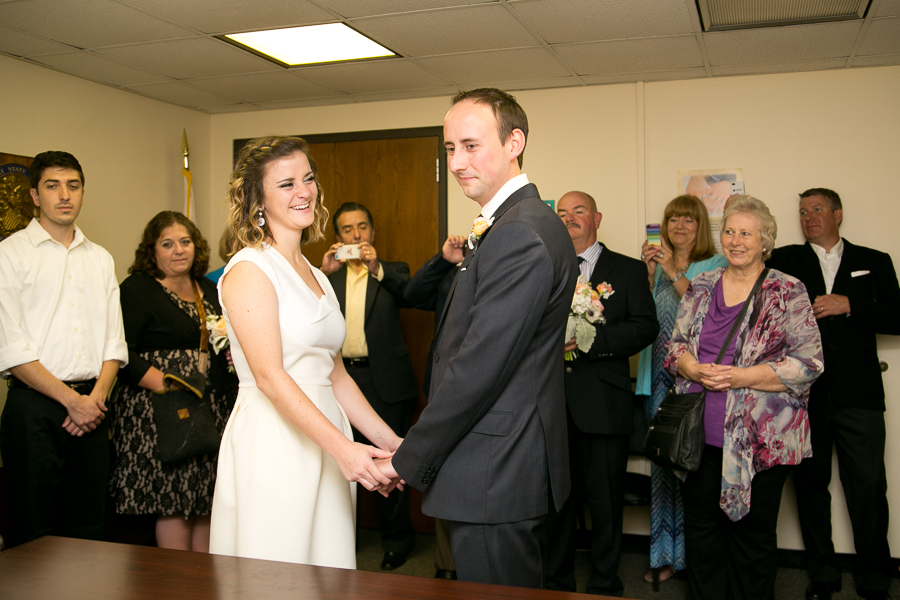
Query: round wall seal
[[16, 206]]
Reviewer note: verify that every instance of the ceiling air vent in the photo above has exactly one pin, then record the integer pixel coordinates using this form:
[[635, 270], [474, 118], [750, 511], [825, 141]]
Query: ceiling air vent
[[722, 15]]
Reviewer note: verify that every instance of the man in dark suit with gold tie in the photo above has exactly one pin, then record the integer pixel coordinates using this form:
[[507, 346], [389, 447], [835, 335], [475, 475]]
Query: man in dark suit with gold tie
[[370, 292]]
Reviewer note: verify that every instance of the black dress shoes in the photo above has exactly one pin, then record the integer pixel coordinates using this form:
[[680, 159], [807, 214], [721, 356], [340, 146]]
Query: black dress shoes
[[445, 574], [873, 594], [392, 560], [821, 590]]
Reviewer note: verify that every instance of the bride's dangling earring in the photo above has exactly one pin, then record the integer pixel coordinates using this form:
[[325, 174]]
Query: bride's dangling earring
[[260, 219]]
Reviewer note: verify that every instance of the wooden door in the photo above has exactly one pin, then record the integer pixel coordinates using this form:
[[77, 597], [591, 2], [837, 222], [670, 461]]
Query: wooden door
[[395, 174]]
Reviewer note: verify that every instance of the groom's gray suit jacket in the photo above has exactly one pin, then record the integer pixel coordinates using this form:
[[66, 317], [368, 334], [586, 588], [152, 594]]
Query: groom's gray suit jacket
[[491, 446]]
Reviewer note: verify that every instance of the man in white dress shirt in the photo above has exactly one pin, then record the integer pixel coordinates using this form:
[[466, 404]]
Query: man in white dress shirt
[[61, 345], [855, 296]]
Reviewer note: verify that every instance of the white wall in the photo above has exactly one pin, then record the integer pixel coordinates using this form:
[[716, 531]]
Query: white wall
[[621, 143], [129, 147]]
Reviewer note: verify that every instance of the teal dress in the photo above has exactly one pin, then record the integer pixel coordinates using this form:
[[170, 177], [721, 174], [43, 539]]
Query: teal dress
[[666, 508]]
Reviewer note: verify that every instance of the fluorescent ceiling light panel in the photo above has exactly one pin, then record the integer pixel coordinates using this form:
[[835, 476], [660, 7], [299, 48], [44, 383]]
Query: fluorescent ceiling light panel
[[314, 44]]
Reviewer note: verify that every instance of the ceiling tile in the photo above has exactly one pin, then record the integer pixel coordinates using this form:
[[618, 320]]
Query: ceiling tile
[[536, 84], [876, 61], [87, 24], [497, 67], [646, 76], [190, 59], [883, 37], [567, 21], [96, 68], [181, 94], [781, 44], [431, 92], [373, 76], [21, 44], [888, 8], [355, 8], [230, 108], [303, 103], [262, 87], [230, 16], [624, 56], [468, 29], [786, 67]]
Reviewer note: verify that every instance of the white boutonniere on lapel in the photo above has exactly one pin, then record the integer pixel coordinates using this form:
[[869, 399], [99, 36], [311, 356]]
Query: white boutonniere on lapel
[[586, 312], [478, 228]]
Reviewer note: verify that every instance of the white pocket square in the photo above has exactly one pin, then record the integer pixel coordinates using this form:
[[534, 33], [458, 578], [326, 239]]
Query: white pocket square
[[859, 273]]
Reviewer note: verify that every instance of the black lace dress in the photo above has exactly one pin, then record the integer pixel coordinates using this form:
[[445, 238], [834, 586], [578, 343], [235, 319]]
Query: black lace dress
[[162, 331]]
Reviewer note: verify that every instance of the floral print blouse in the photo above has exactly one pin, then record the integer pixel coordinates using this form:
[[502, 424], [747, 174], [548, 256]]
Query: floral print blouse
[[762, 429]]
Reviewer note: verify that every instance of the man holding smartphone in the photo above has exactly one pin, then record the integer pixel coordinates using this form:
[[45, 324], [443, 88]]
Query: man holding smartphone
[[370, 293]]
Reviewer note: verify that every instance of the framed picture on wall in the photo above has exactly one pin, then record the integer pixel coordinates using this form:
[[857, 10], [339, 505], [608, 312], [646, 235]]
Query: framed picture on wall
[[713, 187]]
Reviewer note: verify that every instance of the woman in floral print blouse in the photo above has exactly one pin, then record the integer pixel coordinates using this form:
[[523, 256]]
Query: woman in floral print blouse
[[756, 420]]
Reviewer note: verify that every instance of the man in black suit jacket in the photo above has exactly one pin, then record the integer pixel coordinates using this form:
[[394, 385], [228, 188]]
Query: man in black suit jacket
[[489, 451], [370, 293], [856, 297], [600, 404]]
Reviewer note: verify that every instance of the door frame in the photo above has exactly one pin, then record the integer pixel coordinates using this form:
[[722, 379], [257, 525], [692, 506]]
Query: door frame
[[384, 134]]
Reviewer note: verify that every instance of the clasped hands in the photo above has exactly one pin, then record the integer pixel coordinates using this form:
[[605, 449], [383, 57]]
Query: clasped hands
[[830, 305], [371, 467], [388, 470], [719, 378], [84, 414]]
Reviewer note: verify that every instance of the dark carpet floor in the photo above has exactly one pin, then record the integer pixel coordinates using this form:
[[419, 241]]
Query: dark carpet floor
[[791, 583]]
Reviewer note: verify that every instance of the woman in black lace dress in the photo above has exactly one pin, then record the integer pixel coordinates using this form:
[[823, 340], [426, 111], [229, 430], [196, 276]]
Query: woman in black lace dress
[[162, 328]]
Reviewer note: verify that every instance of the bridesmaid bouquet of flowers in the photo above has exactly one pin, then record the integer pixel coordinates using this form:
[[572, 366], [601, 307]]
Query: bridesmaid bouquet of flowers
[[586, 312]]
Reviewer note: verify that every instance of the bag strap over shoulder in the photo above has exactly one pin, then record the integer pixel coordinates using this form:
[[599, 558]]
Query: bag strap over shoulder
[[204, 332], [740, 317]]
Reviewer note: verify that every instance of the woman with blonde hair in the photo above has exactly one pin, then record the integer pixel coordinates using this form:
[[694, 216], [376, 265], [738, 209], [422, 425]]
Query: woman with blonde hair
[[288, 454], [687, 250]]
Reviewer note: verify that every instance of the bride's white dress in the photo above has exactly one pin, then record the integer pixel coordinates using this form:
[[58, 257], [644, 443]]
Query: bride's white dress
[[278, 495]]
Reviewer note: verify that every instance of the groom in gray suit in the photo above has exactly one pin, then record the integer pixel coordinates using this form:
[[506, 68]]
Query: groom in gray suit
[[489, 452]]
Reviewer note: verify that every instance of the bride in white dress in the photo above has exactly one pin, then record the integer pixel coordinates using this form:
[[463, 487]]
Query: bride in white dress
[[288, 465]]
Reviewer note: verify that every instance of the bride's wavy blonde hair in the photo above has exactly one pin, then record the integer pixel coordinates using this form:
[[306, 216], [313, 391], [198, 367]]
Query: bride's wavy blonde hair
[[246, 192]]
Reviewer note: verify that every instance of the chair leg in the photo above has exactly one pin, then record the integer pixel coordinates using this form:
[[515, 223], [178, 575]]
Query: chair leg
[[655, 579]]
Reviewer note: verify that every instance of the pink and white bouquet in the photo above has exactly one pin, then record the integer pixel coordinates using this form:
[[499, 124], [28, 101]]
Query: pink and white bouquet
[[586, 312]]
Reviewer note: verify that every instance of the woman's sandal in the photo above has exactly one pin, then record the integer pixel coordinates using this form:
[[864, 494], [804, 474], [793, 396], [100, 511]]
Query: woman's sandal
[[665, 573]]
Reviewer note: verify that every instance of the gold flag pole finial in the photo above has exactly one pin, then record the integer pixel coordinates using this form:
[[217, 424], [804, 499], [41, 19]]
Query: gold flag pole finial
[[184, 148]]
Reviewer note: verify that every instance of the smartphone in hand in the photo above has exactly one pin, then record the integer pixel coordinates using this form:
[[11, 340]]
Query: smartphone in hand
[[347, 252], [653, 234]]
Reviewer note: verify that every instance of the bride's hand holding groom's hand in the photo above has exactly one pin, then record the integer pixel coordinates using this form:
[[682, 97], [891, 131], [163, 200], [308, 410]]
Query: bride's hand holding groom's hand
[[356, 463], [387, 468]]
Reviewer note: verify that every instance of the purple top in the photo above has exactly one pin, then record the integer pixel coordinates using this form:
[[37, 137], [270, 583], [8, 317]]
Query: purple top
[[719, 321]]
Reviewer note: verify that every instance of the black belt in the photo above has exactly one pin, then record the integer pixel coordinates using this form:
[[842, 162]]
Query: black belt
[[82, 387], [362, 361]]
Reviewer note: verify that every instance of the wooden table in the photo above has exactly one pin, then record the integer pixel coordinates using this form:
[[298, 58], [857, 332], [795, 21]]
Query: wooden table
[[55, 567]]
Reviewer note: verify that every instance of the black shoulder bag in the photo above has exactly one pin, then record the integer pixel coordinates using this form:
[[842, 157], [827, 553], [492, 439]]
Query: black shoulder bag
[[675, 437], [185, 424]]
